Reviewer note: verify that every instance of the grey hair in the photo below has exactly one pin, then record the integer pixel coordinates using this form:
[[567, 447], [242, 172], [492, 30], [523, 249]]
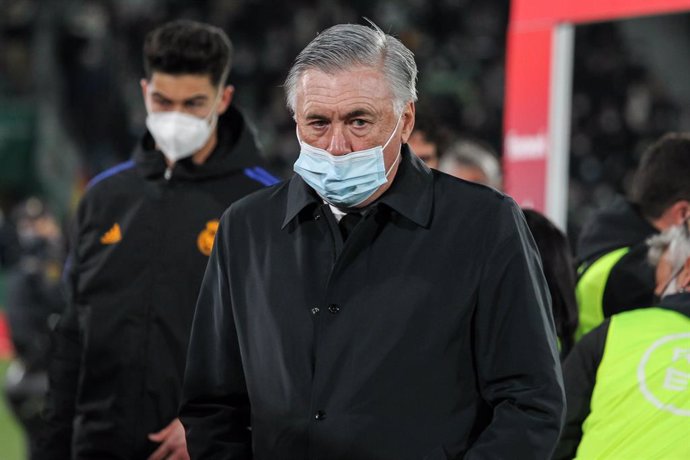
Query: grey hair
[[677, 240], [344, 46], [474, 154]]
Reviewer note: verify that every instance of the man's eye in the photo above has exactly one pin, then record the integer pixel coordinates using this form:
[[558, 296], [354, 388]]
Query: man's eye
[[193, 104], [318, 124], [359, 123]]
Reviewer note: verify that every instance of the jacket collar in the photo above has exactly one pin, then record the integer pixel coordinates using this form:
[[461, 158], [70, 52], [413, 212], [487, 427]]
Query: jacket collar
[[678, 302], [236, 149], [411, 193]]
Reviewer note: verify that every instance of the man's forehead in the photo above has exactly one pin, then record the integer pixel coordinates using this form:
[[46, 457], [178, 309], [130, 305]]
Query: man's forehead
[[183, 85], [357, 89]]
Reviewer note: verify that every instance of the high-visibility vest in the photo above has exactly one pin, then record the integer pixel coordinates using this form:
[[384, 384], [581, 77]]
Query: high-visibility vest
[[640, 406], [590, 290]]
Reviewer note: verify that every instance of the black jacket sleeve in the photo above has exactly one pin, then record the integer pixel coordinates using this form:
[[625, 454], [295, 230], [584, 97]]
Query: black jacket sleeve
[[579, 375], [215, 404], [516, 355], [63, 371]]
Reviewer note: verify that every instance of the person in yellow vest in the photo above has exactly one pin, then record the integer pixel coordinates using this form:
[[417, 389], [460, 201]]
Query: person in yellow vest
[[628, 381], [611, 253]]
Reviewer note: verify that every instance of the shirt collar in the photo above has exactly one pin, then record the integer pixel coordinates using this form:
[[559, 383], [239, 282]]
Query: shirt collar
[[411, 193]]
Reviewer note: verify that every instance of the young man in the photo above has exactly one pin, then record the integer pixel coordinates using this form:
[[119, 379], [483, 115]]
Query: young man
[[141, 241], [423, 331], [611, 251]]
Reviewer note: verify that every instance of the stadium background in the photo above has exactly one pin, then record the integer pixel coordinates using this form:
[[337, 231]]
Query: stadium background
[[70, 102]]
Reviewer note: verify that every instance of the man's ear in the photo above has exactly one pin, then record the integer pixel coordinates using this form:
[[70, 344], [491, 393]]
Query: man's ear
[[683, 210], [408, 117], [673, 215], [226, 99]]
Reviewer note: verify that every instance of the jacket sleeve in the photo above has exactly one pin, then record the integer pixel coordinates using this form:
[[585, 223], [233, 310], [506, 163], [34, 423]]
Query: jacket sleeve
[[516, 356], [579, 376], [215, 404], [63, 370]]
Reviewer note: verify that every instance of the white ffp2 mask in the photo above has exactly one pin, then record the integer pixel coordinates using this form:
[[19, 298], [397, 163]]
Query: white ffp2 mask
[[179, 135]]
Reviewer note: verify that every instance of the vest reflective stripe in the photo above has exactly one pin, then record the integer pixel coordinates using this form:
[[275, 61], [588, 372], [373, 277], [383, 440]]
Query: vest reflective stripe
[[590, 291], [640, 406]]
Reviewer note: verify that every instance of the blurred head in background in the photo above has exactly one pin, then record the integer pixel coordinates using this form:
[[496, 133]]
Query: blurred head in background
[[474, 161], [38, 231], [661, 186], [429, 137]]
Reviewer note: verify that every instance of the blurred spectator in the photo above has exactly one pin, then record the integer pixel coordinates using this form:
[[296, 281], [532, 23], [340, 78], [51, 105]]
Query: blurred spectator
[[614, 274], [424, 147], [429, 137], [474, 161], [627, 381], [559, 269], [34, 301]]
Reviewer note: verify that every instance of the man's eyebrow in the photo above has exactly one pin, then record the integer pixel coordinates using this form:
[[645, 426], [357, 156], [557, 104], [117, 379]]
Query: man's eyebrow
[[315, 116], [358, 113], [198, 97], [158, 95], [348, 116]]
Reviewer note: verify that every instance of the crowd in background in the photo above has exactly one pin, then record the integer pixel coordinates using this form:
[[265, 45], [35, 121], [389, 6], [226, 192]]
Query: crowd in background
[[69, 76], [71, 64]]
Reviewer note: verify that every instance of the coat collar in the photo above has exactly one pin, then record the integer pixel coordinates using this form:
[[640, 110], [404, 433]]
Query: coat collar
[[410, 195], [678, 302]]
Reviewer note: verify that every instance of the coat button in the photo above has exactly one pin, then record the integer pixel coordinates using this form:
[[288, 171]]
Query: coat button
[[333, 308], [319, 415], [315, 310]]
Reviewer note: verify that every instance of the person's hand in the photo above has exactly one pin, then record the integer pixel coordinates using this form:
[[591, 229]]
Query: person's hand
[[173, 442]]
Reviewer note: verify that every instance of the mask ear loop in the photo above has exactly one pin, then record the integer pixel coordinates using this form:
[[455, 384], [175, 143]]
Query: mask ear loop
[[213, 115], [670, 280], [389, 141]]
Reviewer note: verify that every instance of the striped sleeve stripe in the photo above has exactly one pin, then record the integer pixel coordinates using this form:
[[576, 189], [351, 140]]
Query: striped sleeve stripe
[[261, 175], [110, 172]]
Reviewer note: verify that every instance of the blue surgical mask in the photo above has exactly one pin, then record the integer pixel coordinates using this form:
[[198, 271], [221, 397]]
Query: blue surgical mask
[[344, 180]]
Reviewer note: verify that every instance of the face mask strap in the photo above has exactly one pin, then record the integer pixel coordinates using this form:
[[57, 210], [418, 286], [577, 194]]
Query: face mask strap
[[393, 133], [670, 280]]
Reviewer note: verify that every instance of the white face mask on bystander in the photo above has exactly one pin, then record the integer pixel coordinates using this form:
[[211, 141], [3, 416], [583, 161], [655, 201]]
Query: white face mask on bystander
[[179, 135]]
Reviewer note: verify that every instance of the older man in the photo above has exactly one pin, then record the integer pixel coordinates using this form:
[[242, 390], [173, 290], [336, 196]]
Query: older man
[[370, 308], [628, 380]]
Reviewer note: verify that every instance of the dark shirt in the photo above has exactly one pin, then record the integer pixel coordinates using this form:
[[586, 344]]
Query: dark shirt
[[426, 334]]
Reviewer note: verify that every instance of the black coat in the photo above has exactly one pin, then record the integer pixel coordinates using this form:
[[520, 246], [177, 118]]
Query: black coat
[[427, 334], [139, 248]]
